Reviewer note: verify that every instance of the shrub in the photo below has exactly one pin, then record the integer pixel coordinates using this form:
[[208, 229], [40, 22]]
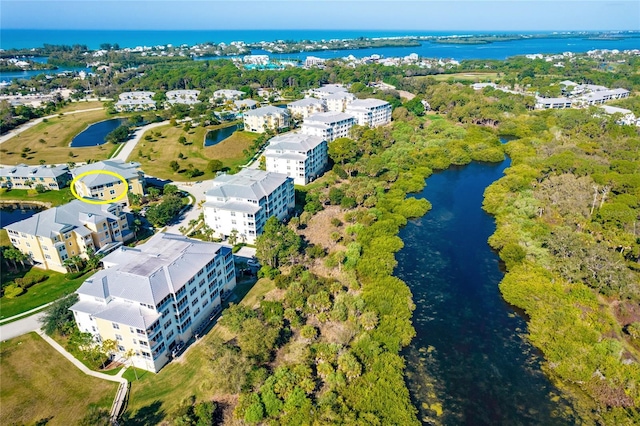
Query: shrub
[[13, 290], [40, 188], [28, 281]]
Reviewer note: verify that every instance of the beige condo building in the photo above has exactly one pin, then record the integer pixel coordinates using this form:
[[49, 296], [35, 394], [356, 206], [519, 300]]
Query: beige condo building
[[57, 234], [106, 187]]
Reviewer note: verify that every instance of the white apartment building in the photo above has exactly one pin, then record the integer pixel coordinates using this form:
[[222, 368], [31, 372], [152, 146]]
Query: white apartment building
[[106, 187], [370, 112], [301, 157], [135, 101], [245, 104], [60, 233], [243, 202], [601, 96], [228, 94], [553, 103], [268, 117], [328, 125], [306, 107], [150, 298], [339, 102], [313, 61], [326, 90], [187, 97]]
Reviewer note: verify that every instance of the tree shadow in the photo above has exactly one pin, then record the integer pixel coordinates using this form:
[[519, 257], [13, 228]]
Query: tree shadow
[[151, 414]]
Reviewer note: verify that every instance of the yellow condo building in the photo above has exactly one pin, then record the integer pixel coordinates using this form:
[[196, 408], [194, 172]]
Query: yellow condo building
[[57, 234], [105, 180]]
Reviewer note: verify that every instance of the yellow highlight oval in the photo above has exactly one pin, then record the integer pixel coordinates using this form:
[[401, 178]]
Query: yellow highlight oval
[[98, 172]]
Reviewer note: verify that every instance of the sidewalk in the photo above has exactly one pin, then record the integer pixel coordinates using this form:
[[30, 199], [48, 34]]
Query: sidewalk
[[24, 314]]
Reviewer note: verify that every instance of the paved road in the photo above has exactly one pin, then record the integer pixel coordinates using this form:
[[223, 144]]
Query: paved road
[[130, 145], [20, 327], [32, 123]]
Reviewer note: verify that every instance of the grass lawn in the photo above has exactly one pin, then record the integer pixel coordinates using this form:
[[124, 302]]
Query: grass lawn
[[4, 238], [57, 133], [56, 198], [158, 152], [36, 383], [80, 105], [47, 291], [154, 396]]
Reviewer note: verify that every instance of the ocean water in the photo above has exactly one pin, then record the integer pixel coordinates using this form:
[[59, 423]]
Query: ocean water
[[500, 50]]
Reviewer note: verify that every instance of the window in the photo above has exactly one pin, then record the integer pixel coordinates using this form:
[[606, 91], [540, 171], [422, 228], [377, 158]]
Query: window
[[120, 348], [118, 337], [116, 326], [195, 301], [193, 291]]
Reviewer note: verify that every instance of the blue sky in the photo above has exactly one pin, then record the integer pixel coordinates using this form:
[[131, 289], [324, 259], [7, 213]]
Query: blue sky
[[426, 15]]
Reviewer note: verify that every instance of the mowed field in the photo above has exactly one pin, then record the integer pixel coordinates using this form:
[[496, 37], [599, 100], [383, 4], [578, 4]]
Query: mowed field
[[49, 141], [81, 105], [155, 154], [38, 383]]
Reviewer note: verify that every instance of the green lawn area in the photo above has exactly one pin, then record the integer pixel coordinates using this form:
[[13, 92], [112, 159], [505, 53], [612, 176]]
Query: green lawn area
[[47, 291], [56, 198], [37, 383], [155, 154], [156, 395], [4, 238], [57, 134], [80, 105]]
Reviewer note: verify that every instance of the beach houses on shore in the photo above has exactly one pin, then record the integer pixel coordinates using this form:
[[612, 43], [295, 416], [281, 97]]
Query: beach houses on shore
[[243, 202], [152, 298], [29, 177], [269, 117], [51, 237], [107, 180], [300, 156]]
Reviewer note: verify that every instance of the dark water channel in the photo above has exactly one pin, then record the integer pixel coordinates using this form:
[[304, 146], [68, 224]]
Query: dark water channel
[[9, 215], [469, 353]]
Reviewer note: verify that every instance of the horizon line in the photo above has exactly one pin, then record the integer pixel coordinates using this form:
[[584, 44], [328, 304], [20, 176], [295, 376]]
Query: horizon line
[[316, 29]]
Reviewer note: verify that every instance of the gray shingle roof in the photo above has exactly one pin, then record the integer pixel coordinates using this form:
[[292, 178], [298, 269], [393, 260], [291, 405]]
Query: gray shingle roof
[[328, 117], [127, 170], [305, 102], [67, 217], [33, 171]]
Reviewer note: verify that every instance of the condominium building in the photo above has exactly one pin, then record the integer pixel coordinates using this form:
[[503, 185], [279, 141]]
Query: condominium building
[[299, 156], [269, 117], [245, 104], [601, 96], [186, 97], [135, 101], [326, 90], [228, 94], [370, 112], [59, 233], [152, 298], [28, 177], [339, 102], [328, 125], [107, 187], [306, 107], [552, 103], [243, 202]]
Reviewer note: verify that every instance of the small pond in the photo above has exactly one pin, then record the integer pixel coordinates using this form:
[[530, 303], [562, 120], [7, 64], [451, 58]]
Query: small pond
[[9, 215], [214, 137], [94, 134]]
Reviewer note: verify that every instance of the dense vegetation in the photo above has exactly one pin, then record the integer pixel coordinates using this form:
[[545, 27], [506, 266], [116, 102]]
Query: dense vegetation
[[567, 214]]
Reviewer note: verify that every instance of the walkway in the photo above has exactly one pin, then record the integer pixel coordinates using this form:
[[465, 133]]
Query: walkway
[[30, 124], [20, 327], [130, 145], [121, 394], [25, 313]]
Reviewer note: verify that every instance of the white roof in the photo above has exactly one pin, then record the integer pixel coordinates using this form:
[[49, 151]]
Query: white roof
[[305, 102], [151, 271], [267, 110], [612, 110], [329, 117], [248, 184], [294, 142], [367, 103]]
